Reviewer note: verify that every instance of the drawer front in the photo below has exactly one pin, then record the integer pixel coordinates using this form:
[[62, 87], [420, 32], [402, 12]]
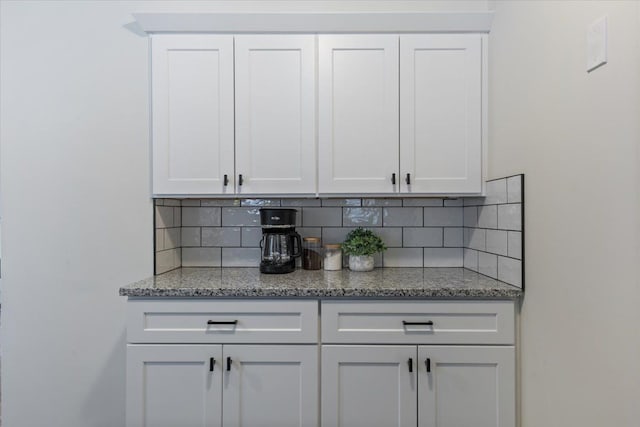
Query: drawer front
[[411, 322], [215, 321]]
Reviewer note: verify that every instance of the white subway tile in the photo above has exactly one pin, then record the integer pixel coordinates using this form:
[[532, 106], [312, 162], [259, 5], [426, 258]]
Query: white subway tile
[[190, 236], [421, 237], [190, 202], [422, 201], [443, 257], [221, 236], [201, 257], [514, 244], [241, 217], [496, 192], [341, 202], [260, 202], [488, 264], [488, 216], [177, 217], [403, 257], [200, 217], [453, 202], [381, 202], [514, 189], [510, 271], [300, 202], [220, 202], [510, 217], [402, 217], [391, 236], [321, 217], [171, 202], [251, 236], [362, 217], [474, 201], [165, 261], [159, 239], [334, 234], [477, 238], [497, 242], [164, 216], [470, 216], [240, 257], [453, 237], [443, 217], [471, 259], [171, 238]]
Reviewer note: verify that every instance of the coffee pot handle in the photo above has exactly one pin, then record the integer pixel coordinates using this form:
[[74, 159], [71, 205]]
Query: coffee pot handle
[[298, 245]]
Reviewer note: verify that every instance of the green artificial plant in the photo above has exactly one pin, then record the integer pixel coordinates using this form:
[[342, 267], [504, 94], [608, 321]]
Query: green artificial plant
[[362, 242]]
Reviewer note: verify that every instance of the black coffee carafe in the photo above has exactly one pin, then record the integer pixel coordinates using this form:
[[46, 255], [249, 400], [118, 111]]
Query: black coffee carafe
[[280, 244]]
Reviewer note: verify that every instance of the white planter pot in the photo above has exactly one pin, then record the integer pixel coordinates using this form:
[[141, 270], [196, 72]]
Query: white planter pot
[[360, 262]]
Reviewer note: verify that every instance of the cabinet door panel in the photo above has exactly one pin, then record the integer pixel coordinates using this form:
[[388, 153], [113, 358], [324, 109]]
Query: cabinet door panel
[[192, 101], [441, 113], [358, 113], [368, 386], [170, 386], [271, 386], [467, 386], [275, 113]]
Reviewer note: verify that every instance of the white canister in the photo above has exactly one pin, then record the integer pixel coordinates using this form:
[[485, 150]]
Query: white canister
[[332, 257]]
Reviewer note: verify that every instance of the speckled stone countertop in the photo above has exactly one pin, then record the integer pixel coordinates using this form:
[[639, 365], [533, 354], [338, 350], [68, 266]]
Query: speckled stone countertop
[[379, 283]]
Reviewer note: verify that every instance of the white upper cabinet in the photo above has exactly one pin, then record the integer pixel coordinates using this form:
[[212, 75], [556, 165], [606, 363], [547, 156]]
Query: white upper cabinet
[[358, 113], [192, 103], [324, 114], [275, 113], [441, 113]]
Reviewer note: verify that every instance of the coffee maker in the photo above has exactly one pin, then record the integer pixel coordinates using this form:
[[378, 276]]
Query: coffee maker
[[280, 244]]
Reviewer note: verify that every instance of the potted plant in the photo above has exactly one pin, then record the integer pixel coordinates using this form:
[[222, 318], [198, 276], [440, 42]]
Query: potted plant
[[361, 245]]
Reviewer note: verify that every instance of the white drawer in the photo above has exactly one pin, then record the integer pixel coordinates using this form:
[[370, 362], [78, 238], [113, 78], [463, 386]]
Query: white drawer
[[221, 321], [418, 322]]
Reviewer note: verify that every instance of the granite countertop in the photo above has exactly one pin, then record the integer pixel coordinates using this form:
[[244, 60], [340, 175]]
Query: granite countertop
[[381, 282]]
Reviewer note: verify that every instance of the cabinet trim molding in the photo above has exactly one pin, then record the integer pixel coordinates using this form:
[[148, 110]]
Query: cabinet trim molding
[[323, 22]]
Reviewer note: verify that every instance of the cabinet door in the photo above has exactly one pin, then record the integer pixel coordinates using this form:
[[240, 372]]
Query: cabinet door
[[275, 113], [368, 386], [270, 386], [466, 386], [358, 113], [192, 102], [441, 113], [173, 385]]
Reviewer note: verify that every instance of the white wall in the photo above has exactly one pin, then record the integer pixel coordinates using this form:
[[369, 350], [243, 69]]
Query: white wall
[[576, 137], [77, 220]]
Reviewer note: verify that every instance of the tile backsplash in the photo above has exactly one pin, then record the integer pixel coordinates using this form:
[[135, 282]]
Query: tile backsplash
[[482, 234]]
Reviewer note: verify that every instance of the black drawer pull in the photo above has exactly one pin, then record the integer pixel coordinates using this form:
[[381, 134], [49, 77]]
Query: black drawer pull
[[410, 362], [427, 364], [427, 323], [226, 180], [393, 178], [228, 363], [212, 363], [222, 322], [240, 179], [408, 179]]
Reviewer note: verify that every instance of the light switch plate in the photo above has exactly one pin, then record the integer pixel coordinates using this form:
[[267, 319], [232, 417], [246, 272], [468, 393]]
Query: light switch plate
[[597, 44]]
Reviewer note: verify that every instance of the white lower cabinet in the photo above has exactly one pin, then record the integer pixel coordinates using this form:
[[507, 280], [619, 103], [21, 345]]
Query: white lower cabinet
[[368, 386], [425, 386], [220, 385], [466, 386], [370, 363]]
